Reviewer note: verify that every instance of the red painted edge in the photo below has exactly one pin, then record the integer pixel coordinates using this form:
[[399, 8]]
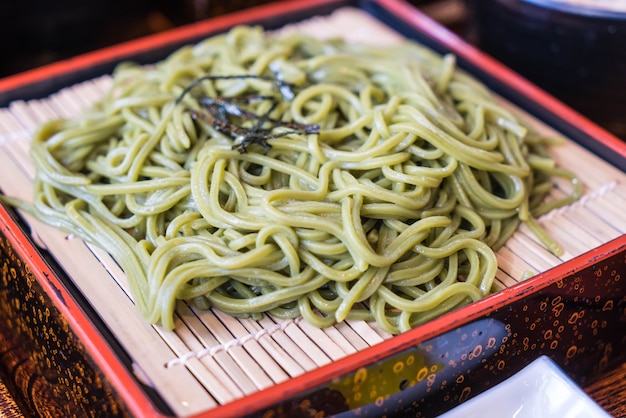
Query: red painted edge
[[81, 325]]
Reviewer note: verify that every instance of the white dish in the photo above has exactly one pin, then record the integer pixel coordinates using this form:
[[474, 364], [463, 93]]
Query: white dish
[[540, 390]]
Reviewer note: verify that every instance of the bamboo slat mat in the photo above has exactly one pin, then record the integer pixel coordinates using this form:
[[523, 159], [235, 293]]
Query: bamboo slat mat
[[212, 358]]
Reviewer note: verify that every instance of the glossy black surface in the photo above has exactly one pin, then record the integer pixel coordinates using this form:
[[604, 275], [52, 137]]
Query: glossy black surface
[[574, 54], [577, 321]]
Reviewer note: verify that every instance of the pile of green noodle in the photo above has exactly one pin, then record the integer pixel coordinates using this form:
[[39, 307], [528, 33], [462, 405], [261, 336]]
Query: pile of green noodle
[[390, 213]]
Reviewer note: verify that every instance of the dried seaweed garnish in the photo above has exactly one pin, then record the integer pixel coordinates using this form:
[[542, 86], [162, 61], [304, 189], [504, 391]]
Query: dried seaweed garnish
[[221, 112]]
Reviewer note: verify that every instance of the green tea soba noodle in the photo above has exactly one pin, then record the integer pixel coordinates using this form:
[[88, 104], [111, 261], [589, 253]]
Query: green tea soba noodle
[[296, 177]]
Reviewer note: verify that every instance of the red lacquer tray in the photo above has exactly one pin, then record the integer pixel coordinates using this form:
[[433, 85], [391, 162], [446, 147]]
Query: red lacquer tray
[[63, 358]]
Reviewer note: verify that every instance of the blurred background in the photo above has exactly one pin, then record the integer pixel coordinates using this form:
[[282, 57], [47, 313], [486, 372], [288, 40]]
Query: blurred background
[[37, 32], [574, 49]]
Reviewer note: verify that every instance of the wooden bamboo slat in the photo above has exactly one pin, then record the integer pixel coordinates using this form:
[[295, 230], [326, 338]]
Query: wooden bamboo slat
[[211, 358]]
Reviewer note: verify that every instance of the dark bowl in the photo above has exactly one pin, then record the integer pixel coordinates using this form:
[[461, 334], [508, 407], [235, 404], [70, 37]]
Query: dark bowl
[[575, 50]]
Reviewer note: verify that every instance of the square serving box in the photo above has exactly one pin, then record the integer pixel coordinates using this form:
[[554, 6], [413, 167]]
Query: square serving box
[[63, 358]]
